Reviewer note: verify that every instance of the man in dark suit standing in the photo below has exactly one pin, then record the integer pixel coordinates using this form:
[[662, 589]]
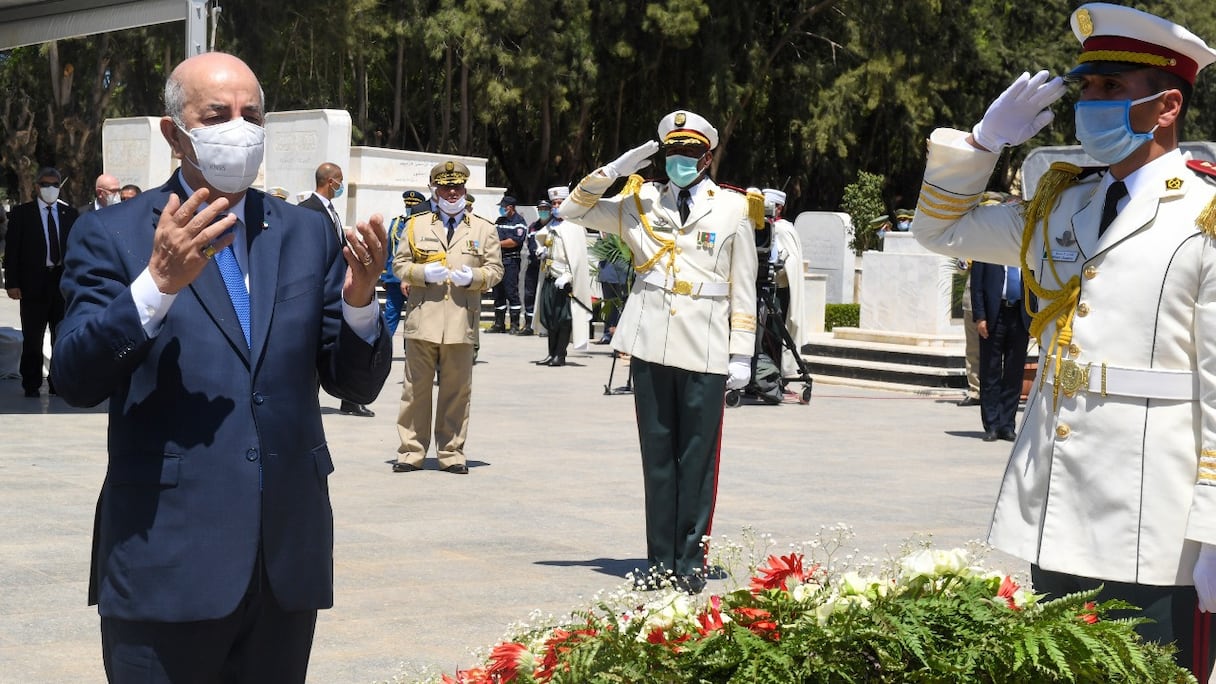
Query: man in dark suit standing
[[329, 185], [206, 313], [33, 264], [1001, 319]]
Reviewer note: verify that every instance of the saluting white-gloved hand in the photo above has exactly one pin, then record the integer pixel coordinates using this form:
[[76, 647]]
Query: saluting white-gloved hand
[[562, 281], [1205, 578], [435, 272], [632, 161], [462, 277], [1020, 112], [739, 371]]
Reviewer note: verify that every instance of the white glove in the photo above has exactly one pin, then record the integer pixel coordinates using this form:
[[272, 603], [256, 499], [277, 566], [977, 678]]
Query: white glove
[[562, 281], [1020, 112], [1205, 578], [462, 277], [632, 161], [541, 252], [435, 272], [739, 371]]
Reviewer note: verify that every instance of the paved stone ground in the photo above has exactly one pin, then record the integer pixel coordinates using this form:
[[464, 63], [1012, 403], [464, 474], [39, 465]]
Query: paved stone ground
[[430, 566]]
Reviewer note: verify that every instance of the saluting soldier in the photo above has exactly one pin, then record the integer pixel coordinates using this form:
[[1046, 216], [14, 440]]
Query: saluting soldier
[[1112, 479], [448, 258], [563, 304], [689, 324]]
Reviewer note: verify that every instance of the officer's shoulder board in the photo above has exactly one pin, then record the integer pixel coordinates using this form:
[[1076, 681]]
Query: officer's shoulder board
[[1206, 221], [755, 204]]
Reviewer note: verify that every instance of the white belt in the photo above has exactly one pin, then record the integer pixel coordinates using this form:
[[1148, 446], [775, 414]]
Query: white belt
[[684, 287], [1144, 383]]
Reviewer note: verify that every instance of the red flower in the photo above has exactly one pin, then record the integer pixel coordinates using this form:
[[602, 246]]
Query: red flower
[[1008, 587], [561, 643], [1089, 613], [711, 619], [474, 676], [759, 621], [503, 666], [773, 573]]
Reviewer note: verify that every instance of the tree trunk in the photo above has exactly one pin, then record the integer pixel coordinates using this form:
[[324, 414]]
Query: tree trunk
[[465, 106]]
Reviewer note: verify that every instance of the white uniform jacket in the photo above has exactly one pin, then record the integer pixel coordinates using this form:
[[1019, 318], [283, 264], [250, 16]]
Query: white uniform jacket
[[565, 244], [1116, 481], [693, 300]]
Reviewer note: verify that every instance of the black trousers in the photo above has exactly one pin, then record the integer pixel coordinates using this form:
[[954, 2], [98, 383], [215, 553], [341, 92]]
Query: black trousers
[[506, 292], [258, 643], [679, 415], [1173, 612], [531, 279], [556, 316], [40, 308], [1002, 365]]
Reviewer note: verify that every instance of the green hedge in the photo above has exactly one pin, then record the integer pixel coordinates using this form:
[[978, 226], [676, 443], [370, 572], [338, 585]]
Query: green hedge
[[842, 315]]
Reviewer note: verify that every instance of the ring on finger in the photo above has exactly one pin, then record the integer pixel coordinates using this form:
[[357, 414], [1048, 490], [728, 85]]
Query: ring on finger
[[367, 259], [209, 251]]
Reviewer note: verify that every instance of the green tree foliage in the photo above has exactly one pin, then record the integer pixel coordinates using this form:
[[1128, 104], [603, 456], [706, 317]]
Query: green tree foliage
[[806, 94], [862, 201]]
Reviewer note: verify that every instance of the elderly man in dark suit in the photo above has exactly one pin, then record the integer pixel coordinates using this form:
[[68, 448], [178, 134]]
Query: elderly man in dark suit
[[206, 313], [1002, 321], [33, 264]]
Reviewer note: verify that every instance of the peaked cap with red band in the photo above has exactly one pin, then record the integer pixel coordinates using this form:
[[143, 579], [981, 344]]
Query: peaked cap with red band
[[682, 127], [1116, 39]]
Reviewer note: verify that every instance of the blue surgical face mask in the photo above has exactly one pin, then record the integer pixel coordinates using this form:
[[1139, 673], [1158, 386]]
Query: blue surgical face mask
[[339, 190], [544, 214], [1105, 130], [682, 170], [502, 211]]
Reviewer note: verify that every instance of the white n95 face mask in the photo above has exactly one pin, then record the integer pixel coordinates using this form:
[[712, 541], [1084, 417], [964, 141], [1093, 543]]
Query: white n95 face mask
[[229, 154], [452, 208], [49, 195]]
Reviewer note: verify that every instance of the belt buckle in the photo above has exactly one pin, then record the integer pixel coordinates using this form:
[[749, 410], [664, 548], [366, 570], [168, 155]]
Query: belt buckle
[[682, 287], [1072, 377]]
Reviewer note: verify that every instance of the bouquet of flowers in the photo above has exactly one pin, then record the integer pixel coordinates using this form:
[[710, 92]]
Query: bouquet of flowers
[[930, 616]]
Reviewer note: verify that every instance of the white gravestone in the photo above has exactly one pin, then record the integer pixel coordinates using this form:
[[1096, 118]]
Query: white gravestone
[[134, 151], [298, 142], [377, 177], [814, 301], [907, 288], [825, 239]]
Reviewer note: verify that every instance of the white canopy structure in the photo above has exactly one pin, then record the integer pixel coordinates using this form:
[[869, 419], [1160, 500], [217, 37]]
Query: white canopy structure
[[29, 22]]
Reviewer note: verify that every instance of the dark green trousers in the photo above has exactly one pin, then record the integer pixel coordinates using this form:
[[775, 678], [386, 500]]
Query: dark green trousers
[[679, 417], [1173, 611]]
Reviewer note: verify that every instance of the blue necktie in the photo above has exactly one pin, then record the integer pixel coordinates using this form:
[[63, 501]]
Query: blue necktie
[[234, 280], [1013, 284]]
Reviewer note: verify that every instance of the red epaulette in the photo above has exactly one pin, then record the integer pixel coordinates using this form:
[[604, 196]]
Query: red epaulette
[[1202, 167]]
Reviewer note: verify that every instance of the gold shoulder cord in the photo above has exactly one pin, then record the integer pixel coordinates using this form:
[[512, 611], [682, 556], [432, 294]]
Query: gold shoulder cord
[[1057, 305], [419, 256], [1206, 221], [667, 247]]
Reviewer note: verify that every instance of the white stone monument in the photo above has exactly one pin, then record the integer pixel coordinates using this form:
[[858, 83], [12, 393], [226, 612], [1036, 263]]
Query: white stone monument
[[907, 289], [134, 151], [825, 239], [814, 300], [298, 142], [377, 177]]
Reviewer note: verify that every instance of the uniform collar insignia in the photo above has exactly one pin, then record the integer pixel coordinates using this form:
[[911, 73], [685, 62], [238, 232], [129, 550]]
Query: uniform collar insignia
[[1173, 184]]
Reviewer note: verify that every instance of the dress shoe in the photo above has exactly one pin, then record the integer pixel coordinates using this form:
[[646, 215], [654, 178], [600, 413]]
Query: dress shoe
[[606, 339], [496, 328], [558, 361], [1007, 435], [524, 332], [544, 362], [991, 437], [969, 401], [456, 469], [689, 584], [349, 408], [400, 467], [31, 393]]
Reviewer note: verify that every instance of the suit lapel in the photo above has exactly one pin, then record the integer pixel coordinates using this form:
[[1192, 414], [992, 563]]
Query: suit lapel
[[1138, 213], [1085, 224], [265, 247]]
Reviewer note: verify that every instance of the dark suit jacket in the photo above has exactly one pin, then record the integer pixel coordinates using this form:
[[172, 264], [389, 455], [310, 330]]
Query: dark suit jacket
[[213, 447], [25, 248], [314, 203], [987, 291]]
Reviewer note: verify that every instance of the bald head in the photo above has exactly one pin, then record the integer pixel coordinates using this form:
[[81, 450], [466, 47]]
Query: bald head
[[208, 71], [105, 190]]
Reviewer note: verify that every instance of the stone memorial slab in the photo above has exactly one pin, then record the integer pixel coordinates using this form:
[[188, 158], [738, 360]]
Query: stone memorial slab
[[377, 176], [907, 289], [133, 150], [825, 239], [297, 142]]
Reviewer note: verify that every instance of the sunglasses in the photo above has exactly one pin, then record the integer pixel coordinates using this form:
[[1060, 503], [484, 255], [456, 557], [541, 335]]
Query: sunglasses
[[45, 184]]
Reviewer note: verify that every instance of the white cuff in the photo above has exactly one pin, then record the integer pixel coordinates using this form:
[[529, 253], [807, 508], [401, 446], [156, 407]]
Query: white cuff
[[150, 302]]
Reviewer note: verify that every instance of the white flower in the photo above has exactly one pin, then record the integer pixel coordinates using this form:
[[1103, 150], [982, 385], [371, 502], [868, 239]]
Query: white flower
[[673, 611], [933, 563]]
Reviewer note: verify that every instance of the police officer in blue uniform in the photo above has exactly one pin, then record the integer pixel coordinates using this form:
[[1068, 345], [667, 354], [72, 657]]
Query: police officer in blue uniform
[[512, 232]]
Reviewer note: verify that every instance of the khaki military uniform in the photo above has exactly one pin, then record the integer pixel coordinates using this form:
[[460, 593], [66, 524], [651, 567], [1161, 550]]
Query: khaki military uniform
[[440, 330], [1113, 474]]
